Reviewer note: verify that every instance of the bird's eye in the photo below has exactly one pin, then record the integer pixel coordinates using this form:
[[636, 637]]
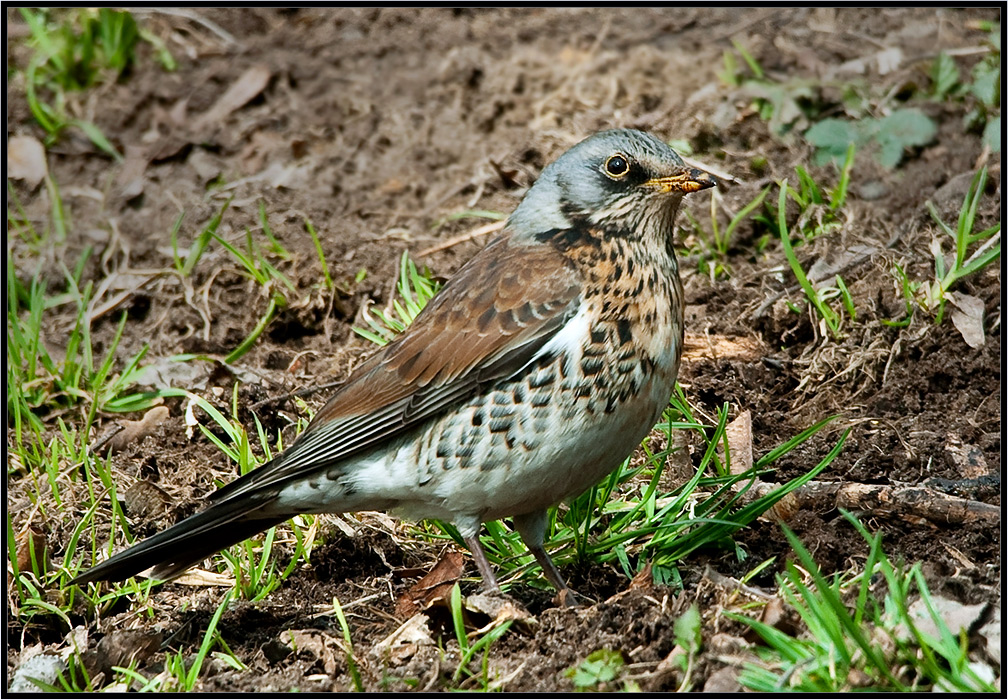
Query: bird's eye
[[617, 166]]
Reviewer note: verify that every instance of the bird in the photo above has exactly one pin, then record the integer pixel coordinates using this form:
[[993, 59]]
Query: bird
[[531, 375]]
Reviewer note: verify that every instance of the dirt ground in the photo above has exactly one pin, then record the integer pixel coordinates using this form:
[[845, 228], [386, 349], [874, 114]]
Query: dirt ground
[[377, 124]]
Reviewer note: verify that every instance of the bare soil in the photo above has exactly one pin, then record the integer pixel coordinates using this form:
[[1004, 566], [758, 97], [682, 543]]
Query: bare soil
[[376, 124]]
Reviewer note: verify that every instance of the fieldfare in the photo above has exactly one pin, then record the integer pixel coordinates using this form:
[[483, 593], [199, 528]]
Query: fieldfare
[[531, 375]]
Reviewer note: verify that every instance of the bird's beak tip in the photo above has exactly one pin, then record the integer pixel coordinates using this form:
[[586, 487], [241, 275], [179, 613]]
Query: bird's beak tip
[[700, 180], [687, 181]]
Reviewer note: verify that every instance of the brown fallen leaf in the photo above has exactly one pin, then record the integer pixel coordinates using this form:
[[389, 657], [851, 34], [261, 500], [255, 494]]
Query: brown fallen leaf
[[121, 647], [968, 459], [403, 644], [723, 681], [135, 430], [202, 577], [956, 616], [31, 545], [643, 580], [248, 85], [434, 588], [130, 179], [145, 501], [317, 643], [26, 160]]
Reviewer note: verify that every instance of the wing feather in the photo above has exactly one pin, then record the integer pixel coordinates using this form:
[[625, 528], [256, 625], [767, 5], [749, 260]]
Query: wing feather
[[487, 323]]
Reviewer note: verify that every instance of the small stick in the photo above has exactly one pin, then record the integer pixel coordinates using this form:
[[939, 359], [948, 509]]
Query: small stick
[[716, 172], [471, 235]]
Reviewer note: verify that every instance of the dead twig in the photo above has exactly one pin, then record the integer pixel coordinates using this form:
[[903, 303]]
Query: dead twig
[[492, 227], [192, 17], [300, 393], [721, 175], [879, 499]]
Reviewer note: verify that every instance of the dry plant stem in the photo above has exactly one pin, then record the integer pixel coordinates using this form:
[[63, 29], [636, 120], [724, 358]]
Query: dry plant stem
[[300, 393], [469, 236], [721, 175], [193, 17], [883, 500]]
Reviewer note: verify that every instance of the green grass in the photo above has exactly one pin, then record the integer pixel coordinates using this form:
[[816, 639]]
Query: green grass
[[859, 633], [74, 50], [61, 389], [816, 297], [978, 93], [58, 394], [712, 251], [415, 289], [470, 649], [964, 237], [348, 650], [41, 380], [820, 212], [971, 251]]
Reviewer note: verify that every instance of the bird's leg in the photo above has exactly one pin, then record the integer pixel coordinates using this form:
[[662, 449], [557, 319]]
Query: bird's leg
[[476, 549], [532, 528]]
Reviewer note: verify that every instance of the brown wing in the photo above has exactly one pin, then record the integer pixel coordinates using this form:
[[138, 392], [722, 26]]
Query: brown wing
[[490, 319]]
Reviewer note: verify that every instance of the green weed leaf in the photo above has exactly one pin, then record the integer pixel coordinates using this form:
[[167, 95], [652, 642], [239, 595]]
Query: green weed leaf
[[986, 84], [832, 137], [687, 629], [944, 75], [992, 134], [904, 128], [600, 666]]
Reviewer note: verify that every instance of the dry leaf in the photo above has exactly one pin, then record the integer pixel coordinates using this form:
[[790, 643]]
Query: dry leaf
[[832, 262], [31, 542], [643, 580], [723, 681], [956, 616], [121, 647], [316, 643], [131, 175], [145, 501], [43, 667], [968, 459], [200, 577], [402, 645], [967, 317], [136, 430], [498, 608], [434, 588], [248, 85], [700, 347], [26, 160]]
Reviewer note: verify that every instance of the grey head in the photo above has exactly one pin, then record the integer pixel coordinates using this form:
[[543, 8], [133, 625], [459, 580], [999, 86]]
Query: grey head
[[621, 179]]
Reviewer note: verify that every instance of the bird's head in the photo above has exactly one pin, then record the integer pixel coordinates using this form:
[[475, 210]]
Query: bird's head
[[620, 180]]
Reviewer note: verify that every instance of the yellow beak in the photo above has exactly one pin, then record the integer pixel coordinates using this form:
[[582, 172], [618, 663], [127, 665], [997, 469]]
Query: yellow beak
[[691, 180]]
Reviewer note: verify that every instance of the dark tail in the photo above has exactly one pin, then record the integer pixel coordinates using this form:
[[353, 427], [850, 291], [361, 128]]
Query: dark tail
[[187, 543]]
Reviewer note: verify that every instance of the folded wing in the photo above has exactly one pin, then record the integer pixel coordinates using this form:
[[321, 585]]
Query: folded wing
[[487, 323]]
